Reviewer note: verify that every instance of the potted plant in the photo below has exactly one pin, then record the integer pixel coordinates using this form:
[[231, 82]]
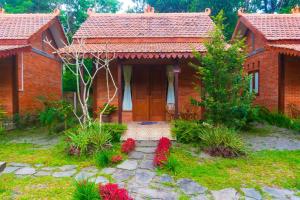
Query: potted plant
[[107, 110]]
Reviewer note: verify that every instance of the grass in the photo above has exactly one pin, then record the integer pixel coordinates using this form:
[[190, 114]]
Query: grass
[[264, 168], [29, 188]]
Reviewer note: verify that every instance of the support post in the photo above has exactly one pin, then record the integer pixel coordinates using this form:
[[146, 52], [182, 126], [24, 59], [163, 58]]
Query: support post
[[281, 83], [120, 92], [176, 75]]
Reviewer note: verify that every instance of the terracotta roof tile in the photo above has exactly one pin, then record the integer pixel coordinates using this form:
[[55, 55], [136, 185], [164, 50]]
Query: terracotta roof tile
[[146, 25], [144, 50], [22, 26], [276, 26], [6, 50], [288, 49]]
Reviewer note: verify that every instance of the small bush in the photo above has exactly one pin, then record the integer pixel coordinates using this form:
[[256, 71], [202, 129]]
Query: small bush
[[128, 146], [113, 192], [221, 141], [103, 158], [115, 130], [171, 164], [186, 131], [86, 191], [116, 159]]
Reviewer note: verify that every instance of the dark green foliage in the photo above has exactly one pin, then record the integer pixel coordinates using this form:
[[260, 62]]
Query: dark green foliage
[[276, 119], [86, 190], [172, 164], [186, 131], [225, 94], [107, 109], [115, 130], [102, 158], [26, 120]]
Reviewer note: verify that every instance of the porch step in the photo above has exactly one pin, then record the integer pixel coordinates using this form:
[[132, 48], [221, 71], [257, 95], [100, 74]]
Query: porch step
[[146, 143]]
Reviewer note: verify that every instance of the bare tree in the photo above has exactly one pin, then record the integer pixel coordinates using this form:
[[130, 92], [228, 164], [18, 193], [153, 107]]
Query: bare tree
[[73, 57]]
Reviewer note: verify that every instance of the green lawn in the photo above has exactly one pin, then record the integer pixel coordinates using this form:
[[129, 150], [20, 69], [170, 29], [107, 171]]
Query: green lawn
[[264, 168]]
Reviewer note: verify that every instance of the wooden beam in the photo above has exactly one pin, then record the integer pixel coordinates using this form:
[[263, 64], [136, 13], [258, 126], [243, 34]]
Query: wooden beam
[[120, 93], [176, 76], [281, 83]]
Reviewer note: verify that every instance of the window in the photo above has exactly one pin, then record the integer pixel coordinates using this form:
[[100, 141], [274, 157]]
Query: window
[[254, 82]]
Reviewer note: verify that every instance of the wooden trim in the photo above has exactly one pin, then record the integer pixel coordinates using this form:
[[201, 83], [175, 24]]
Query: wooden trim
[[15, 85], [120, 93], [281, 82]]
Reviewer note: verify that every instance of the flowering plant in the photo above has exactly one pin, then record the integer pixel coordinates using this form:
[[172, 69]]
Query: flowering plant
[[128, 146], [113, 192], [162, 152], [116, 159]]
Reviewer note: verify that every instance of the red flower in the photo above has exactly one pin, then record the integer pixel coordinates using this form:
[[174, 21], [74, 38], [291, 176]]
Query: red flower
[[113, 192], [116, 159], [128, 146], [162, 152]]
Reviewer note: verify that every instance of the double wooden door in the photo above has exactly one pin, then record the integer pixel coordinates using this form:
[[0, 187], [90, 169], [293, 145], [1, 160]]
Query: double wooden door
[[149, 93]]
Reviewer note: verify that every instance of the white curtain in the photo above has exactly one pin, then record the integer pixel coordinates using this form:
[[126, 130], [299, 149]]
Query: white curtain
[[171, 93], [127, 100]]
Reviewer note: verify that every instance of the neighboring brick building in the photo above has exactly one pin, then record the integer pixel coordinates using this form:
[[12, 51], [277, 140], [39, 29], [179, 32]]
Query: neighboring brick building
[[152, 55], [28, 69], [273, 45]]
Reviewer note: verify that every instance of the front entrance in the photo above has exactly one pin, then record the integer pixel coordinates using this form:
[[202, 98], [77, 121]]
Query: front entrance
[[149, 93]]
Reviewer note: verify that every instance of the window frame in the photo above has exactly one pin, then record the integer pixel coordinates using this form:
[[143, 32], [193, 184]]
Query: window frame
[[252, 73]]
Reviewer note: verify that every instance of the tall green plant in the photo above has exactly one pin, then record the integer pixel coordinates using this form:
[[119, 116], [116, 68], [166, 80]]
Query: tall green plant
[[224, 92]]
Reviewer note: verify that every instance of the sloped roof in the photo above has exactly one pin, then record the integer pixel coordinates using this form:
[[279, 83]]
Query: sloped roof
[[289, 49], [275, 26], [146, 25], [22, 26], [139, 50], [6, 50]]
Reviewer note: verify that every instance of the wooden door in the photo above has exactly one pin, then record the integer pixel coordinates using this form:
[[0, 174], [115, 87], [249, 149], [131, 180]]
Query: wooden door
[[157, 93], [149, 93], [140, 93]]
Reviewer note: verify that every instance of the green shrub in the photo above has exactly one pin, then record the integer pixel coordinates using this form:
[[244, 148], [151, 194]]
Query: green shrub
[[277, 119], [186, 131], [115, 130], [103, 158], [221, 141], [172, 164], [86, 191]]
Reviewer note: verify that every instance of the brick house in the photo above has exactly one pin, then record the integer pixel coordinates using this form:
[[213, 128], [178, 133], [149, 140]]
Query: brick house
[[152, 54], [273, 60], [28, 69]]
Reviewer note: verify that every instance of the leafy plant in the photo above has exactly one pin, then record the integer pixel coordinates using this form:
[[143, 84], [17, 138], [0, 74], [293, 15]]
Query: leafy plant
[[225, 94], [186, 131], [103, 158], [86, 190], [222, 141], [171, 164], [115, 130], [107, 109], [113, 192]]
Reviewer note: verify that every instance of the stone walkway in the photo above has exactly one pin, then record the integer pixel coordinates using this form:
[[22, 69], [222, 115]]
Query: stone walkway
[[138, 176]]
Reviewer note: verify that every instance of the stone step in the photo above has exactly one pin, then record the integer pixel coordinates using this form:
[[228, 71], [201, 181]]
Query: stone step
[[146, 143]]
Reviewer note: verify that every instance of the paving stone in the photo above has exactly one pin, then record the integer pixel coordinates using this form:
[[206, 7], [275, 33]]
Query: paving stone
[[225, 194], [190, 187], [64, 173], [251, 194], [25, 171], [39, 165], [279, 193], [147, 143], [147, 164], [8, 170], [122, 175], [128, 165], [136, 155], [67, 167], [2, 166], [166, 179], [14, 164], [49, 168], [101, 179], [149, 156], [146, 149], [43, 173], [148, 193], [90, 169], [144, 176], [108, 170], [83, 175], [199, 197]]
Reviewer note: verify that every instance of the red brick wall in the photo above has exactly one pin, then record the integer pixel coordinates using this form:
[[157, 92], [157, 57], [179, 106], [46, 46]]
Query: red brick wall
[[42, 77], [187, 82], [6, 86], [292, 82]]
